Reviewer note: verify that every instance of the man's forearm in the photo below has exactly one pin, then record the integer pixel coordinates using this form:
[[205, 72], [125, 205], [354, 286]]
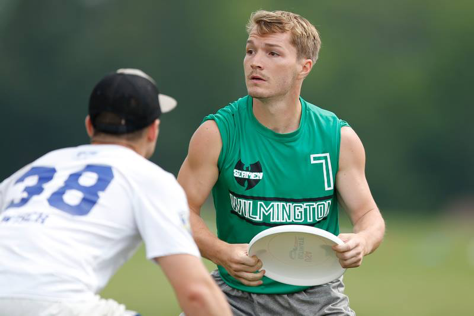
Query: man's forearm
[[372, 227], [209, 245], [204, 299]]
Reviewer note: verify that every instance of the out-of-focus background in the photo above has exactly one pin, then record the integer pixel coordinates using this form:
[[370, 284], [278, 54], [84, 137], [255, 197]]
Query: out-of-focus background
[[400, 72]]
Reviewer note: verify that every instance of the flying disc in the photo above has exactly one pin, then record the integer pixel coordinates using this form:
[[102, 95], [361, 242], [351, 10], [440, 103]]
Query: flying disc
[[297, 255]]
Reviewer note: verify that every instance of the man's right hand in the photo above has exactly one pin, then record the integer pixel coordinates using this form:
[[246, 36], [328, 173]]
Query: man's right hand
[[235, 259]]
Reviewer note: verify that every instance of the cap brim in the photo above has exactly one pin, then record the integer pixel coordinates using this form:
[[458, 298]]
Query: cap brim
[[167, 103]]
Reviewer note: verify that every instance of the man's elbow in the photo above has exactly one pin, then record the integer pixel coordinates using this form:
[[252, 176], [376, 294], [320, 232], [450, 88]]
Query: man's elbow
[[197, 296], [203, 299]]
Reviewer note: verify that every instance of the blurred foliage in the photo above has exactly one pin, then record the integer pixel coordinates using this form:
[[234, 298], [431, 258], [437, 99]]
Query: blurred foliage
[[400, 72]]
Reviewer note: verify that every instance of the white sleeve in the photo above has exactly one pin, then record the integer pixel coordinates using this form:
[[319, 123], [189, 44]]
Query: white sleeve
[[162, 217]]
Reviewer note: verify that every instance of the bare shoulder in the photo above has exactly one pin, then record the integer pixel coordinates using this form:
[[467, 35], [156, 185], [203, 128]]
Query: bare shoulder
[[207, 131], [352, 151], [206, 143]]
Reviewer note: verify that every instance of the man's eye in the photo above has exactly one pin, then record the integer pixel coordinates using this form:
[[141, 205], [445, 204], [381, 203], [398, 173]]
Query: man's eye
[[274, 54], [249, 51]]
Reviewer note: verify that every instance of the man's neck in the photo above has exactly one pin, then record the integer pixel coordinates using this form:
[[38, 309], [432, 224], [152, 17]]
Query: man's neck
[[119, 143], [281, 115]]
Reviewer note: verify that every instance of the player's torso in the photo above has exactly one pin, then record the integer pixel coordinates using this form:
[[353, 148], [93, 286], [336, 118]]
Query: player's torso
[[269, 179], [76, 208]]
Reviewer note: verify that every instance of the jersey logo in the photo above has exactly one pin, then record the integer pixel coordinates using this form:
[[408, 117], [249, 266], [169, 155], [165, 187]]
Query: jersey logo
[[272, 211], [248, 177]]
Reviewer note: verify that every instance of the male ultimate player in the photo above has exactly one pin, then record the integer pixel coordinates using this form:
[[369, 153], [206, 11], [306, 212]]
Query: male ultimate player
[[271, 158], [71, 218]]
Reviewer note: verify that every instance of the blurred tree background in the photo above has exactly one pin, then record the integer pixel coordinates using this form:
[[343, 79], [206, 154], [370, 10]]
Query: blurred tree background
[[400, 72]]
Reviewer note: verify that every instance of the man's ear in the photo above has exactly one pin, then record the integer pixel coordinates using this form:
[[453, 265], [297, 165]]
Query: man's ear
[[153, 130], [89, 127], [306, 66]]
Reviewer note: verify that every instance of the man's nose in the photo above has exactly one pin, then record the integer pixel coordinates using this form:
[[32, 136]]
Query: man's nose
[[256, 62]]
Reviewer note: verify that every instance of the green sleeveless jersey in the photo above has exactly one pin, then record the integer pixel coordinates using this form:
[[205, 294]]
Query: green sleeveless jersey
[[267, 179]]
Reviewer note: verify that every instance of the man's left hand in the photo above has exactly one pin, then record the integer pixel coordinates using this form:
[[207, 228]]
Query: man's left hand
[[352, 252]]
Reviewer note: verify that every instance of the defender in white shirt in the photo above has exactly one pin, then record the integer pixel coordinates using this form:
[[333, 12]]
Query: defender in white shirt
[[71, 218]]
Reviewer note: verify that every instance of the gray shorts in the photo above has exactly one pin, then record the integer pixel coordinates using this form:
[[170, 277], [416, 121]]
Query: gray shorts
[[326, 299]]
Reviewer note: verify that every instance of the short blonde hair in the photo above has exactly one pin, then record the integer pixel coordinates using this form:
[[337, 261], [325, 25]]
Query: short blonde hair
[[305, 37]]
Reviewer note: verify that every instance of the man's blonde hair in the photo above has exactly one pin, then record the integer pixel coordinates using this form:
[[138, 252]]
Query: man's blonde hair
[[304, 35]]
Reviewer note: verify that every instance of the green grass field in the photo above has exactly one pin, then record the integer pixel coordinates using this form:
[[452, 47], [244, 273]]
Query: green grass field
[[422, 269]]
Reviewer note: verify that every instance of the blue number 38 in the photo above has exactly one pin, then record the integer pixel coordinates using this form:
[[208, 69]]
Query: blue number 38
[[56, 200]]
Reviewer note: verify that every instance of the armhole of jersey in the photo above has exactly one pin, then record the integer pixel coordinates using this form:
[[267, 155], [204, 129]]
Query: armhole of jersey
[[340, 125], [344, 123]]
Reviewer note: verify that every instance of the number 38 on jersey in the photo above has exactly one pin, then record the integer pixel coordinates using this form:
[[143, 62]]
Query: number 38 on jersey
[[76, 196]]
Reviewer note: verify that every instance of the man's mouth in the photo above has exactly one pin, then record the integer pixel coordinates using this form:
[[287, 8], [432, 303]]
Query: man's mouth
[[257, 78]]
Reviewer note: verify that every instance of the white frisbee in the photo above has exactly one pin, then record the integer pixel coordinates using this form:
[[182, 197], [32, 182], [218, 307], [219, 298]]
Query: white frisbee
[[297, 255]]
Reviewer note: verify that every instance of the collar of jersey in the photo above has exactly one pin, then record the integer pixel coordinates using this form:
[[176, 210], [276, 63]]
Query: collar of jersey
[[108, 147], [288, 137]]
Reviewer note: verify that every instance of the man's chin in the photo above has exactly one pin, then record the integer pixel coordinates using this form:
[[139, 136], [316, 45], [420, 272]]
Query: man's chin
[[257, 94]]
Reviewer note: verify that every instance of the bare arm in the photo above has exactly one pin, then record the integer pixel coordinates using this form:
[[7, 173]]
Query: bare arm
[[197, 176], [197, 293], [355, 197]]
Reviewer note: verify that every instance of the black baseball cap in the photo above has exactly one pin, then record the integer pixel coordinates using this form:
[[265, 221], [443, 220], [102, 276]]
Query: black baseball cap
[[131, 98]]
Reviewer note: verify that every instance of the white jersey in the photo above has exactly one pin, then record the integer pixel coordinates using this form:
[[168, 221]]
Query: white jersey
[[71, 218]]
